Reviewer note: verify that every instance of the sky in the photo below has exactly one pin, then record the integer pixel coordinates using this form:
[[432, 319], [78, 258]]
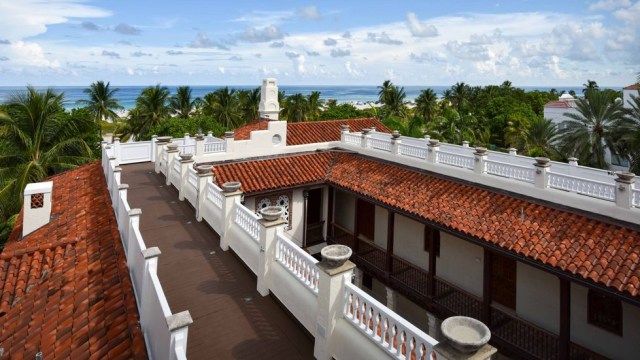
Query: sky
[[144, 42]]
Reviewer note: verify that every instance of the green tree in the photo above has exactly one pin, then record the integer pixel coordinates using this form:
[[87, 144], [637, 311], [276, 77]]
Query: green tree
[[384, 90], [586, 134], [249, 104], [589, 86], [314, 105], [394, 102], [460, 94], [540, 139], [37, 139], [408, 127], [102, 102], [222, 105], [427, 105], [182, 103], [295, 108], [151, 108], [630, 133]]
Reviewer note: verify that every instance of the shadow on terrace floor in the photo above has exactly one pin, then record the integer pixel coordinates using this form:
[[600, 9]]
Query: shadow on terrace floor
[[231, 320]]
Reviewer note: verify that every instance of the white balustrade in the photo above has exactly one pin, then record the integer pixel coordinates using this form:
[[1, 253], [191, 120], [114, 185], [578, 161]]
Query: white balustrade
[[635, 197], [597, 189], [248, 221], [214, 147], [517, 172], [353, 138], [192, 179], [380, 144], [419, 152], [214, 194], [165, 156], [298, 262], [395, 335], [187, 149], [447, 158], [177, 166]]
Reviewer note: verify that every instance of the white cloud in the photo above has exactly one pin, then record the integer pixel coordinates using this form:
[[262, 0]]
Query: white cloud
[[382, 38], [254, 34], [309, 13], [419, 28], [221, 69], [202, 41], [126, 29], [31, 54], [609, 4], [353, 69], [340, 52], [330, 42], [110, 54], [298, 61], [630, 14]]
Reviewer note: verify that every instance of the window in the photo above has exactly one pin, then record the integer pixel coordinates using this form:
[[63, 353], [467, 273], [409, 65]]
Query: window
[[37, 200], [604, 312], [432, 235]]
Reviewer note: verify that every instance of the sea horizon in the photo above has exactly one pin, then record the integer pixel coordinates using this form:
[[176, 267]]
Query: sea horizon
[[353, 94]]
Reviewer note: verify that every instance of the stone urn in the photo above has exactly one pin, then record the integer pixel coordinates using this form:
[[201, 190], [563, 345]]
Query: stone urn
[[186, 156], [204, 169], [395, 134], [465, 334], [335, 255], [434, 142], [481, 150], [163, 139], [229, 134], [625, 176], [542, 161], [366, 131], [272, 213], [344, 127], [172, 146], [231, 186]]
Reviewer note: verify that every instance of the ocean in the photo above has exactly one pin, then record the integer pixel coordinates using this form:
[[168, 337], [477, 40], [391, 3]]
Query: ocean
[[343, 94]]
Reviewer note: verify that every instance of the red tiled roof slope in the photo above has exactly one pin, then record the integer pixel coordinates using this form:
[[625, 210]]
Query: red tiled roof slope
[[604, 253], [65, 288], [275, 173], [632, 87], [309, 132], [562, 104]]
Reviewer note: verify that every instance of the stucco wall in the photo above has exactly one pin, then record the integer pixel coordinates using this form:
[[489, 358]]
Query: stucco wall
[[408, 241], [344, 209], [296, 212], [538, 297], [602, 341], [381, 226], [626, 97], [460, 263]]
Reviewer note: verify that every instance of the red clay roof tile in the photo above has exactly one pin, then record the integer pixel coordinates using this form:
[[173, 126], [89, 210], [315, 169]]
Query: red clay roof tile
[[50, 279]]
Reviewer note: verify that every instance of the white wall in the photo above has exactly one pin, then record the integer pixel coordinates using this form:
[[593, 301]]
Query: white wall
[[599, 340], [345, 205], [408, 241], [538, 297], [296, 212], [557, 114], [626, 97], [460, 263], [381, 226]]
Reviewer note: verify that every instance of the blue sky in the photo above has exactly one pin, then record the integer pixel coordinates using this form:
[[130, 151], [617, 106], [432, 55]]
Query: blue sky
[[531, 43]]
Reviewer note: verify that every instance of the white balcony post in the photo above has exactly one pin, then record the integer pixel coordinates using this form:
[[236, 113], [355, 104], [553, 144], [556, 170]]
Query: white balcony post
[[542, 172], [178, 325], [268, 232], [117, 150], [228, 203], [187, 137], [513, 151], [432, 150], [184, 175], [465, 144], [479, 157], [357, 278], [199, 144], [573, 161], [114, 180], [122, 192], [433, 326], [392, 298], [395, 142], [203, 178], [330, 305], [172, 155], [624, 189], [228, 139], [105, 157], [209, 135], [365, 138], [150, 256], [154, 142], [134, 223], [159, 148], [345, 130]]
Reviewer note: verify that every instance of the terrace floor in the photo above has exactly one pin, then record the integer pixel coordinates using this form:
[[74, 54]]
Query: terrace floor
[[230, 319]]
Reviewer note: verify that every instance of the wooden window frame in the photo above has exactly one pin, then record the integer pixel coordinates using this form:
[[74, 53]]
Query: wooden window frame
[[596, 301]]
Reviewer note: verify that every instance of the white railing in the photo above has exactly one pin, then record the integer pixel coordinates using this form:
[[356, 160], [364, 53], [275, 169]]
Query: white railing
[[192, 179], [298, 262], [165, 156], [214, 194], [522, 173], [380, 144], [177, 166], [582, 186], [353, 138], [419, 152], [248, 221], [395, 335], [447, 158], [214, 147], [635, 197], [187, 149], [133, 152]]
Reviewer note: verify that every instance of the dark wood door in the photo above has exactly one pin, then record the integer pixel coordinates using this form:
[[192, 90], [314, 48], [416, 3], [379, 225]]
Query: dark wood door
[[503, 281], [315, 224], [366, 219]]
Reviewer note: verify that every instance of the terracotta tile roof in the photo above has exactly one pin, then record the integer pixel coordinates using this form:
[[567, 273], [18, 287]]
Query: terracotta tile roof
[[309, 132], [592, 249], [65, 288], [563, 104], [632, 87]]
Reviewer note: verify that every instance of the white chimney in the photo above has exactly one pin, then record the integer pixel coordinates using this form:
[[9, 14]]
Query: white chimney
[[37, 206], [269, 107]]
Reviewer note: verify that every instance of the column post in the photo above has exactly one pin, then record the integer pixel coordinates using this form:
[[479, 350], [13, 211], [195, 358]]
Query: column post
[[199, 144], [565, 318], [229, 140], [344, 130], [433, 147], [392, 298], [185, 163], [154, 142], [172, 155], [205, 172], [542, 169], [134, 223], [228, 204], [513, 151], [161, 141], [395, 142], [268, 231], [117, 150], [330, 305], [479, 157], [178, 325], [366, 134], [624, 189]]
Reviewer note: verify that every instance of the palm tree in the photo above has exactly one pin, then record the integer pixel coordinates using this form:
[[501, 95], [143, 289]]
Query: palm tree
[[182, 104], [460, 93], [586, 134], [314, 105], [631, 133], [540, 138], [222, 104], [102, 102], [37, 140], [249, 104], [295, 108], [590, 85], [514, 132], [151, 108], [427, 104], [384, 90], [394, 103]]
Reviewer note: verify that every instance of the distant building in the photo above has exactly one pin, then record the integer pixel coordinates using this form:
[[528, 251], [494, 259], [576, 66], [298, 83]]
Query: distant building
[[627, 91]]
